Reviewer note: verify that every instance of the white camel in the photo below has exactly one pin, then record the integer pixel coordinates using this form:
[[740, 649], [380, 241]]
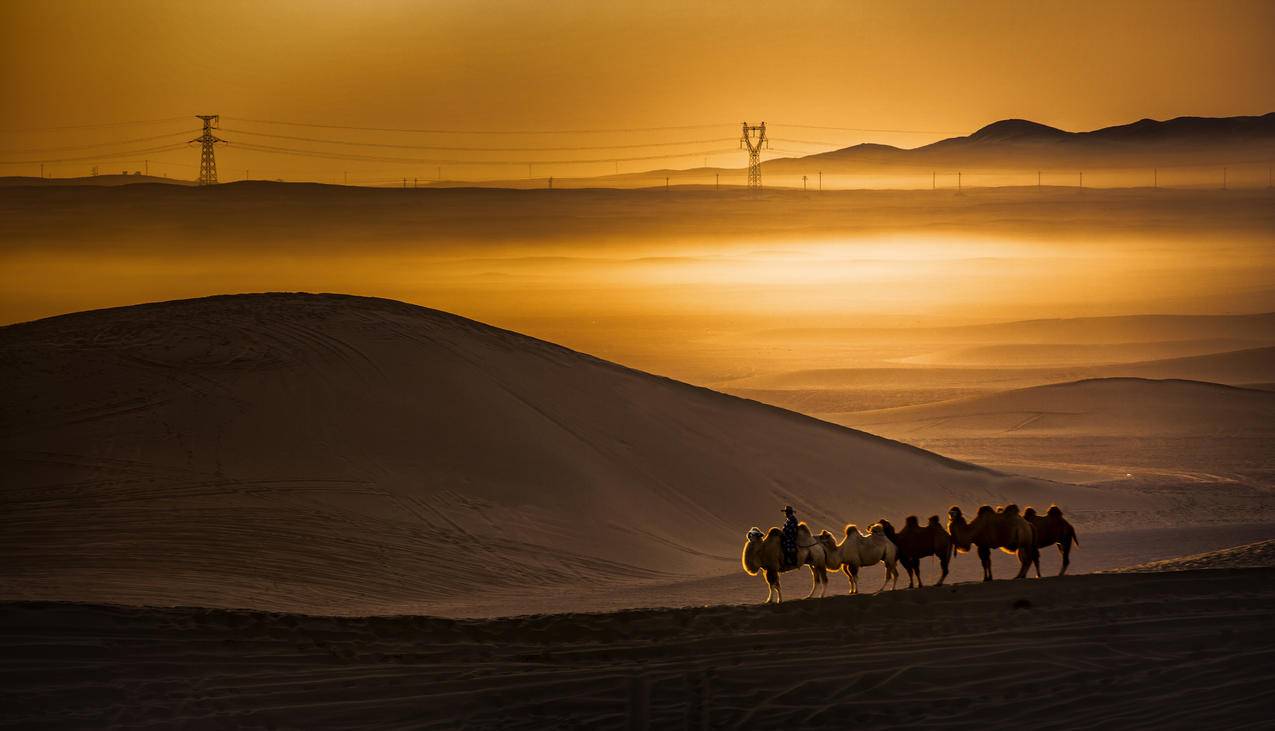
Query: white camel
[[857, 550]]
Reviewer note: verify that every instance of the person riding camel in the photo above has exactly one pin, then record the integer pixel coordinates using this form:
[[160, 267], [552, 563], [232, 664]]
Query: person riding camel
[[788, 542]]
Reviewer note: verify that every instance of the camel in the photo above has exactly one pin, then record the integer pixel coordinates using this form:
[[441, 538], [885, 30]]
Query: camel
[[1052, 528], [857, 550], [915, 543], [764, 554], [1004, 529]]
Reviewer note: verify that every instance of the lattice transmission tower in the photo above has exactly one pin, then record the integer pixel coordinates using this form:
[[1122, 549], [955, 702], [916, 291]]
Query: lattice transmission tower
[[207, 161], [754, 138]]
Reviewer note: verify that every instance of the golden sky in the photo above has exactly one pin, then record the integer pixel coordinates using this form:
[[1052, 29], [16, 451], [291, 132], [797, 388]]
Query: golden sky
[[940, 68]]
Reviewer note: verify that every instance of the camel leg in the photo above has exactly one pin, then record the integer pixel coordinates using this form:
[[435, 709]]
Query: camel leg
[[772, 581], [894, 569], [985, 556], [1025, 556], [814, 581], [823, 582], [852, 577], [943, 562], [1065, 549], [887, 578]]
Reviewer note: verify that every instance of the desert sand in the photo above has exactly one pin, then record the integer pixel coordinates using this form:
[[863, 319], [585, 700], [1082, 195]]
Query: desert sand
[[335, 454], [1052, 654]]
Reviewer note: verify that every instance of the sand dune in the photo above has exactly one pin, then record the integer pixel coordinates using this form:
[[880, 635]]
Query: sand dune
[[351, 455], [1083, 651], [1072, 354], [1126, 407], [1252, 555]]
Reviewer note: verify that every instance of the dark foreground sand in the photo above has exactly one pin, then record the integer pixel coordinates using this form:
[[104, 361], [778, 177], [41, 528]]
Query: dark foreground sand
[[1170, 650]]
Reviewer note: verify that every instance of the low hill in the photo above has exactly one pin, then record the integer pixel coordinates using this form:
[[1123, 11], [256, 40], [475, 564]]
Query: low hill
[[1124, 407], [340, 454], [101, 181]]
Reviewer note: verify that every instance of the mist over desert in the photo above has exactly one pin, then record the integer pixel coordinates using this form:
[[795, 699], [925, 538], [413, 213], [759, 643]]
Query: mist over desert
[[637, 365]]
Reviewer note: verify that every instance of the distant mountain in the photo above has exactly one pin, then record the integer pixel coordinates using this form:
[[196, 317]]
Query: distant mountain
[[1019, 143]]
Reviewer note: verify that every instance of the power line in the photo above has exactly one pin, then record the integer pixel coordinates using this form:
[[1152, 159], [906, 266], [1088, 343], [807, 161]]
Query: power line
[[865, 129], [94, 158], [434, 161], [481, 132], [183, 133], [137, 122], [353, 143]]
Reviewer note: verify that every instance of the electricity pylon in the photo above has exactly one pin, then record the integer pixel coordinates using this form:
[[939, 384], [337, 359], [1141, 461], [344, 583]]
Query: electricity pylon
[[754, 138], [207, 162]]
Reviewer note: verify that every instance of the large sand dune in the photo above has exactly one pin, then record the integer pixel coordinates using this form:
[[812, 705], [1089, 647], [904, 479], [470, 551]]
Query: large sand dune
[[1164, 650], [352, 455]]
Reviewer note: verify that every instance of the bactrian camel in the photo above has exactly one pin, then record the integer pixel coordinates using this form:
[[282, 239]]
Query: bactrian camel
[[1004, 529], [857, 550], [915, 542], [1052, 528], [763, 553]]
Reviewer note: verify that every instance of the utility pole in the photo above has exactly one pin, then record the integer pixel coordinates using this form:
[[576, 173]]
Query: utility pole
[[1223, 178], [415, 183], [958, 181], [1155, 177], [803, 184], [207, 161], [1037, 180], [550, 182], [1082, 179], [754, 138], [717, 181], [820, 181], [665, 183], [934, 180]]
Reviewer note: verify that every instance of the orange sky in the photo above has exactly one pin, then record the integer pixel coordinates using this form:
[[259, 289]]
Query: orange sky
[[944, 67]]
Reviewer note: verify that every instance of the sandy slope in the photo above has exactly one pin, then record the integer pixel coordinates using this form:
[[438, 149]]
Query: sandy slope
[[341, 454], [1251, 555], [1124, 407], [1079, 652]]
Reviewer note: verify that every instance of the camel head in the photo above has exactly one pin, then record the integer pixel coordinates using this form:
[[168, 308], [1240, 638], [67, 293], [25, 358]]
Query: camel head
[[912, 522], [1054, 512], [876, 529], [752, 547], [887, 528], [956, 522]]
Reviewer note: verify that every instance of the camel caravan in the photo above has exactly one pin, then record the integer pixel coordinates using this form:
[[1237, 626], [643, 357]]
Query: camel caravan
[[1021, 534]]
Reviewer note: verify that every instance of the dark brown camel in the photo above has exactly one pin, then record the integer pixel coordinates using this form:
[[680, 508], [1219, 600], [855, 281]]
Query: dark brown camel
[[916, 542], [1052, 528], [1004, 529]]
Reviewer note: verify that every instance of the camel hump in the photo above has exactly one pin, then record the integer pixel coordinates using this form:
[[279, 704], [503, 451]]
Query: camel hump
[[1010, 509], [913, 522], [1029, 513], [876, 529], [851, 529], [774, 533], [934, 520], [1054, 511]]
